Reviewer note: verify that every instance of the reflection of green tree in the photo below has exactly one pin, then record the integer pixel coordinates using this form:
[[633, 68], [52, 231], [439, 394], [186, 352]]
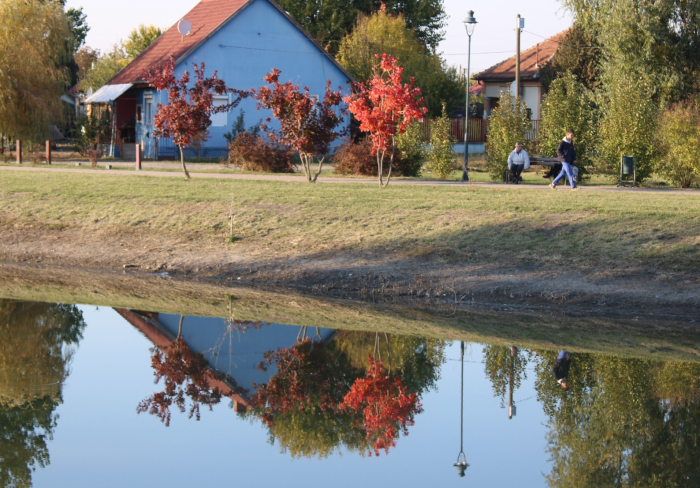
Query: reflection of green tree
[[624, 422], [416, 359], [35, 351], [315, 427], [504, 369]]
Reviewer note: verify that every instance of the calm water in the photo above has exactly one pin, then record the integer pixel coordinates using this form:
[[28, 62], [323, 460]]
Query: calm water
[[72, 378]]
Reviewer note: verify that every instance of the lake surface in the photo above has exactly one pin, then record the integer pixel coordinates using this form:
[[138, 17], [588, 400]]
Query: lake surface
[[295, 406]]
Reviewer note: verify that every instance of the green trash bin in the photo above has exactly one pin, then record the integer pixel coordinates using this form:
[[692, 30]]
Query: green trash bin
[[628, 168]]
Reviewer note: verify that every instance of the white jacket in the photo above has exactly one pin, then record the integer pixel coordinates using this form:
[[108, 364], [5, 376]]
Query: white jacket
[[519, 158]]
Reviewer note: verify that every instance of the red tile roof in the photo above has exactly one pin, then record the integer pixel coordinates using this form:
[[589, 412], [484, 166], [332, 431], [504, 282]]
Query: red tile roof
[[207, 17], [531, 60]]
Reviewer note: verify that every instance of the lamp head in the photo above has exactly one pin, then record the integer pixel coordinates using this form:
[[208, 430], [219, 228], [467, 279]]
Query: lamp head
[[470, 23]]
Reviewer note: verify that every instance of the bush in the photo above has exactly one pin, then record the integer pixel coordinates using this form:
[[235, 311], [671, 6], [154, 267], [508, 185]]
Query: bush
[[679, 143], [508, 124], [569, 105], [410, 145], [628, 127], [441, 156], [91, 133], [253, 153], [355, 158]]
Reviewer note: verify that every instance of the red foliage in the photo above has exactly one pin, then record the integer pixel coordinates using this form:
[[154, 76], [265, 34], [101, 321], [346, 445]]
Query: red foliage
[[386, 407], [188, 112], [253, 153], [306, 376], [185, 375], [385, 107], [307, 125]]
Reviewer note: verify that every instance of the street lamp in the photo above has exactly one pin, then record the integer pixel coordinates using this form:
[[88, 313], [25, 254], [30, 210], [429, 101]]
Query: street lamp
[[469, 24], [461, 463]]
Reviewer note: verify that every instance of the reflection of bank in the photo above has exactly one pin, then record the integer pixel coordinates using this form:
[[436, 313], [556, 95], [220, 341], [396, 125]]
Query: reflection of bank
[[232, 354]]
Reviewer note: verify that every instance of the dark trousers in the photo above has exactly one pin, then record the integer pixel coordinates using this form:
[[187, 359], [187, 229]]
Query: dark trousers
[[516, 169], [554, 170]]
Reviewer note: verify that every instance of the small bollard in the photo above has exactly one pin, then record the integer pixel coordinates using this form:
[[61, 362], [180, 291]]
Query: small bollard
[[48, 152], [138, 157], [109, 166], [19, 151], [78, 164]]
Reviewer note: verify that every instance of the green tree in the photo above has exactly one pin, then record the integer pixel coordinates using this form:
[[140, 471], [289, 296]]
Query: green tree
[[441, 154], [104, 69], [579, 54], [384, 32], [508, 124], [504, 368], [413, 154], [33, 41], [37, 344], [627, 126], [569, 105], [330, 21], [140, 38], [679, 143]]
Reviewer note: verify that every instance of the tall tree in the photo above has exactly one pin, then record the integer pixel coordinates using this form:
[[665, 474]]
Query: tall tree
[[33, 43], [330, 21], [188, 112], [578, 54], [385, 107], [140, 38], [307, 125], [103, 68], [385, 32]]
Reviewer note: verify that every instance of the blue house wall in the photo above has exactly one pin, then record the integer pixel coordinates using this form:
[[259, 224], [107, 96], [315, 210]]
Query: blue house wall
[[258, 39]]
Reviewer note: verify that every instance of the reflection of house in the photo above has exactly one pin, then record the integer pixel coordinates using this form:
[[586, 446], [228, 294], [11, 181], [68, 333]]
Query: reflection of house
[[501, 77], [232, 353], [242, 40]]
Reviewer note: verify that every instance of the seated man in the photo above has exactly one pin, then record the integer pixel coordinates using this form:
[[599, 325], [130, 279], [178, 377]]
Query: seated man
[[518, 161]]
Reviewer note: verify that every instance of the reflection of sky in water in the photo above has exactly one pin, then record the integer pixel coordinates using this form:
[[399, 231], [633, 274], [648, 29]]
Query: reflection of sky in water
[[101, 441]]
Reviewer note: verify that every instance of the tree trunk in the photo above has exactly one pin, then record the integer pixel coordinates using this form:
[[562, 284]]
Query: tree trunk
[[182, 160], [179, 327], [320, 168], [391, 161]]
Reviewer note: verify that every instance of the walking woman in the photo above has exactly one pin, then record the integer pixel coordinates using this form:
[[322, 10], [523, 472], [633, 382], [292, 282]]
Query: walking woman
[[567, 157]]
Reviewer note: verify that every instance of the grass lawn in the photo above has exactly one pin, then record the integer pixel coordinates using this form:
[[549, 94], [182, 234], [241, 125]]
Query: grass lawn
[[655, 231]]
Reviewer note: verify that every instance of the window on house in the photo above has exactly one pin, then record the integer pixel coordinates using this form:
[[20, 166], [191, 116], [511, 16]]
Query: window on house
[[220, 119], [148, 113], [139, 113]]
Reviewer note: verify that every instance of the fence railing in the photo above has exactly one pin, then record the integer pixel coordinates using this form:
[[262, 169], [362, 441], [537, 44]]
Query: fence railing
[[478, 129]]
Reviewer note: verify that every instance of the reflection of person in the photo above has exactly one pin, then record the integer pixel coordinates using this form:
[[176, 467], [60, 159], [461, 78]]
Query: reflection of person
[[518, 161], [567, 157], [561, 369]]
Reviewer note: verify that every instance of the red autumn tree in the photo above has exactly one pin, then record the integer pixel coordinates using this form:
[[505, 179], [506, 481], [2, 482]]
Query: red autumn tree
[[185, 374], [307, 377], [385, 107], [307, 125], [187, 116], [386, 407]]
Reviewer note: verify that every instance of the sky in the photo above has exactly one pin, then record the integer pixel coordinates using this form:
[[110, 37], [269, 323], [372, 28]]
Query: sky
[[493, 39]]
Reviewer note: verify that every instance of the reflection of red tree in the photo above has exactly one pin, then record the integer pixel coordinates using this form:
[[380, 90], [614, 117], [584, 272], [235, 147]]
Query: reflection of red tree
[[307, 375], [185, 375], [385, 405]]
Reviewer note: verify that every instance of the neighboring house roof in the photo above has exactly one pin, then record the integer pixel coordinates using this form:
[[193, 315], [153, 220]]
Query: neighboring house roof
[[531, 60], [476, 90], [207, 17]]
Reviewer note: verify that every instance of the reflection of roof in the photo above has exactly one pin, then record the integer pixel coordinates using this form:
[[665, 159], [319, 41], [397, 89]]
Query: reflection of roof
[[161, 338], [531, 60], [207, 17]]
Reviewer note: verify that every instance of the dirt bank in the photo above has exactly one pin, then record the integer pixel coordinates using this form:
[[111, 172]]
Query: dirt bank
[[365, 276]]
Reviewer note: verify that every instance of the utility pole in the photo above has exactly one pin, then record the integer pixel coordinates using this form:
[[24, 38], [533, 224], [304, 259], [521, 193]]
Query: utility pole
[[520, 24]]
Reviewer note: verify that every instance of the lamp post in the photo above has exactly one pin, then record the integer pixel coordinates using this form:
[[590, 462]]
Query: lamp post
[[461, 463], [469, 24]]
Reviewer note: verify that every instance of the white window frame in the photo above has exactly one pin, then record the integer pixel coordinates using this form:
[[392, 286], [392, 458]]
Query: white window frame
[[220, 119], [148, 109]]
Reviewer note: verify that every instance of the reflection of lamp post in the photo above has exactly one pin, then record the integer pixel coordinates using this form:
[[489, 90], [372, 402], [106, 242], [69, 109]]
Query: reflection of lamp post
[[469, 23], [511, 376], [461, 463]]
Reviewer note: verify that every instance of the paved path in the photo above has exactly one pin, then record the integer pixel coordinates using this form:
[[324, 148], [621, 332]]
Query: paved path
[[325, 179]]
